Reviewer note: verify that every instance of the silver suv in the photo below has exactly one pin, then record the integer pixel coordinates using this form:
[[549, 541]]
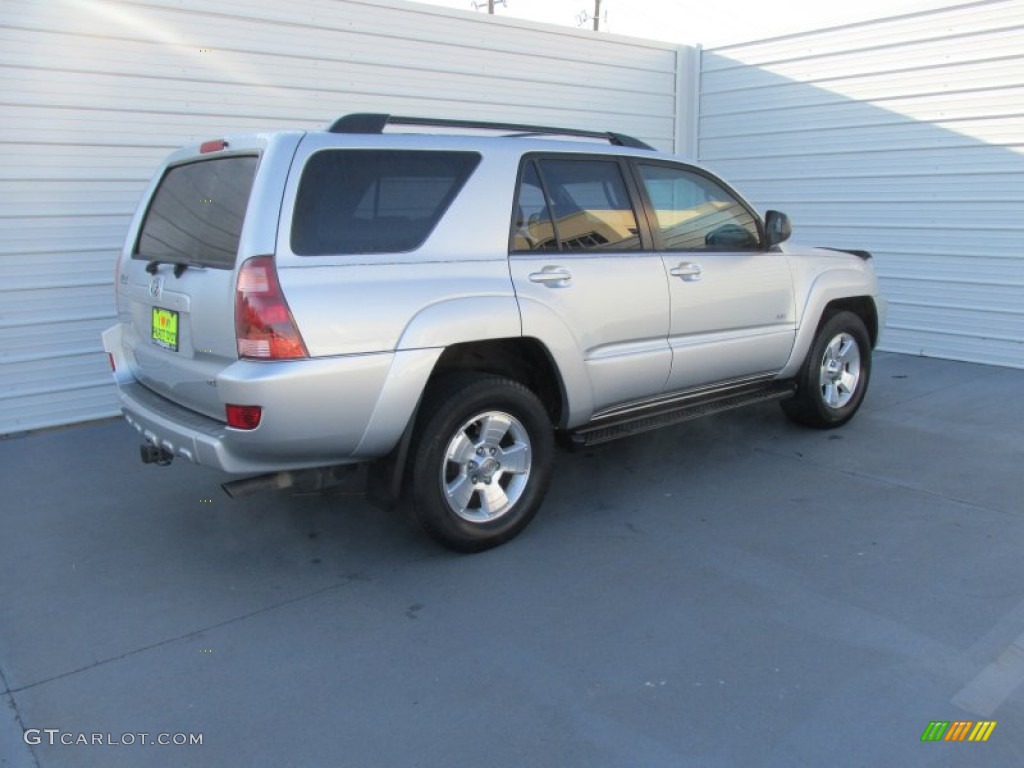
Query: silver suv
[[442, 298]]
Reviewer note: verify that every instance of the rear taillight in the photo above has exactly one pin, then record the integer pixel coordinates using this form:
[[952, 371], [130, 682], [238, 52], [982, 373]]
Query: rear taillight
[[244, 416], [113, 367], [264, 325]]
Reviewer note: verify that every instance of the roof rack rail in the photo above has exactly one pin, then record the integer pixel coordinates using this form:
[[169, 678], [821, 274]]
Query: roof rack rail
[[367, 122]]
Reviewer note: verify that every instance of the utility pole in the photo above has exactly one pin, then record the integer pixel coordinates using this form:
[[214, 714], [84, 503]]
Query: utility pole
[[490, 5], [583, 17]]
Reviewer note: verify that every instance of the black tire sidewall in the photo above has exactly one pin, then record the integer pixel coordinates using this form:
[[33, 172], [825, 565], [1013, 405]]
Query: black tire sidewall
[[820, 413], [452, 404]]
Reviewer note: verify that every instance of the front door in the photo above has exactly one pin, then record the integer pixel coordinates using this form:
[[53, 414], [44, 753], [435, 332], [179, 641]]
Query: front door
[[732, 304]]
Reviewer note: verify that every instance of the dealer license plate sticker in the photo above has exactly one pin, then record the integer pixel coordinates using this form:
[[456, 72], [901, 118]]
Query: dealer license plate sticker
[[165, 328]]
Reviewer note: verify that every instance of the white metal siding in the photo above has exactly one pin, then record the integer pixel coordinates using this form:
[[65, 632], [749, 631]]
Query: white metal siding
[[904, 136], [96, 92]]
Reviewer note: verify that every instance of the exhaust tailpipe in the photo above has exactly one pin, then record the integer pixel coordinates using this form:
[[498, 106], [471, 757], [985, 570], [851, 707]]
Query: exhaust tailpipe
[[272, 482], [302, 479]]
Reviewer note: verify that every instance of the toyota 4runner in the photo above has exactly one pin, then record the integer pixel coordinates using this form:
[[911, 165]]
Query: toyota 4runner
[[443, 298]]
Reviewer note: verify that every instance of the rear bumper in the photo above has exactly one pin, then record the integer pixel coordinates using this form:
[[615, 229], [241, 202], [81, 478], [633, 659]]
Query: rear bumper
[[316, 412], [182, 433]]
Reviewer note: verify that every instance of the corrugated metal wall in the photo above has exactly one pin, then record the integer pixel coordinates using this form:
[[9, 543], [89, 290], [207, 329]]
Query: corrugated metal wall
[[904, 136], [96, 92]]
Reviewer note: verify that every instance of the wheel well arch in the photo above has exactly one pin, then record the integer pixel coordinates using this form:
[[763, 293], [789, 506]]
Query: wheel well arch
[[862, 306], [525, 360]]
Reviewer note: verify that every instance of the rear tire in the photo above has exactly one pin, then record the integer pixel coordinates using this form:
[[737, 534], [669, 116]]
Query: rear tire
[[834, 377], [481, 461]]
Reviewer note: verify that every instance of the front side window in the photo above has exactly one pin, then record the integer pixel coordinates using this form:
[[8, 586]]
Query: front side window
[[694, 213], [576, 204], [374, 201], [197, 213]]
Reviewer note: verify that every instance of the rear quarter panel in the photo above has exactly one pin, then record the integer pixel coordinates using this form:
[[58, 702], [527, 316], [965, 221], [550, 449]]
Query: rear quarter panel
[[455, 287], [365, 308]]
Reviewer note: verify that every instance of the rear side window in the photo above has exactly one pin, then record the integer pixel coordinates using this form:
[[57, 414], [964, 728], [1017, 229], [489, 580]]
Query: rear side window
[[196, 215], [374, 201], [582, 204], [533, 230]]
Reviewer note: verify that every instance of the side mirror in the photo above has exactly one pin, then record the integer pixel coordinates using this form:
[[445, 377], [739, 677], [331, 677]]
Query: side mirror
[[731, 236], [777, 228]]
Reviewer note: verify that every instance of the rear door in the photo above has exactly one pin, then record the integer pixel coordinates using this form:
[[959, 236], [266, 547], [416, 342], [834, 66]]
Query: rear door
[[732, 306], [578, 253], [176, 285]]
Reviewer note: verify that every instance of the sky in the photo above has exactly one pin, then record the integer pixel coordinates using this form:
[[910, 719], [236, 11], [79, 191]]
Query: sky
[[706, 22]]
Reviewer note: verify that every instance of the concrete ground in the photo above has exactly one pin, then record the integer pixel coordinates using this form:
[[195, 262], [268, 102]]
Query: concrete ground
[[735, 591]]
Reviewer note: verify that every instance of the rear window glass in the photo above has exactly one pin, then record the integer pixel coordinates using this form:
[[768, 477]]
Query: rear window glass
[[374, 201], [197, 212]]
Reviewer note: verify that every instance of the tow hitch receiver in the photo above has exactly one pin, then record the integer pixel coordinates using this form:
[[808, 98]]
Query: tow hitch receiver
[[152, 454]]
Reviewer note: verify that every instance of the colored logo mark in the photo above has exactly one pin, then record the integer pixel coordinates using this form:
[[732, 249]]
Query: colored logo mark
[[958, 730]]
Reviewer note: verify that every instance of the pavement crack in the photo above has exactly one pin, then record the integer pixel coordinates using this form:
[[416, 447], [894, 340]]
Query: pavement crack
[[179, 638], [9, 696]]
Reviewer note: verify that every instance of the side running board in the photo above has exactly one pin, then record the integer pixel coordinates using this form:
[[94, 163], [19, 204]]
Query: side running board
[[676, 410]]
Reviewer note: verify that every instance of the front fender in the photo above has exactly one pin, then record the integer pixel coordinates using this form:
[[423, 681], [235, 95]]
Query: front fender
[[830, 286]]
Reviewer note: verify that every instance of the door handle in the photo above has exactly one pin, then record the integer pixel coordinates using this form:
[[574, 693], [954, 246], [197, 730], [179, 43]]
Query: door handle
[[552, 277], [688, 270]]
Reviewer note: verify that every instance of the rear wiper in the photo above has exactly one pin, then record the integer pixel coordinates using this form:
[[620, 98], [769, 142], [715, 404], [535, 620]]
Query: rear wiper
[[154, 265]]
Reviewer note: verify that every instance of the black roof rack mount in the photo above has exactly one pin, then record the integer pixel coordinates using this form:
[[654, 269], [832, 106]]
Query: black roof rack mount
[[367, 122]]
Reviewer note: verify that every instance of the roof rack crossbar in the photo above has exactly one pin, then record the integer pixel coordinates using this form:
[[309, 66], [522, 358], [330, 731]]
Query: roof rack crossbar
[[366, 122]]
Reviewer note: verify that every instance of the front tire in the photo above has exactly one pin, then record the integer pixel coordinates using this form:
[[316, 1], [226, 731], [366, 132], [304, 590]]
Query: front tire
[[481, 461], [834, 377]]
